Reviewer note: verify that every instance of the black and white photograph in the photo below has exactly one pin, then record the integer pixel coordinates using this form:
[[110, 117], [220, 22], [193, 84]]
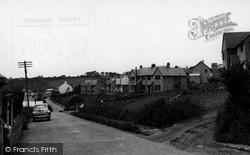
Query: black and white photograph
[[124, 77]]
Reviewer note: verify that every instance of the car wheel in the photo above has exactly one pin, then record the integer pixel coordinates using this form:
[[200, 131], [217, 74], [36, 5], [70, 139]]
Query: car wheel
[[34, 119], [48, 118]]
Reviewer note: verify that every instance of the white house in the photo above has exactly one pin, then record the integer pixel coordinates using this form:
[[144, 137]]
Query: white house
[[65, 88]]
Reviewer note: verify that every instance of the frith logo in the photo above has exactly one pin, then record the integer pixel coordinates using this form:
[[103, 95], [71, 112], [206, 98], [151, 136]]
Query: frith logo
[[210, 28]]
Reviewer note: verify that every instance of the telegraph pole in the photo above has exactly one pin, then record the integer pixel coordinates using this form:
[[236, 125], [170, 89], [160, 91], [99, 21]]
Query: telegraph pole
[[24, 65]]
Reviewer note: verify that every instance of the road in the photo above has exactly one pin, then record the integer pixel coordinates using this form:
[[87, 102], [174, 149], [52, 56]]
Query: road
[[80, 137]]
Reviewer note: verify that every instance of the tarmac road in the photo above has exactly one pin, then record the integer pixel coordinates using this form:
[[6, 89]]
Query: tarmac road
[[80, 137]]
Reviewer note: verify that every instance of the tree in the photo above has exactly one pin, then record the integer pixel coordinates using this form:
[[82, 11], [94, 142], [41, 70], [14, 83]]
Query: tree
[[77, 89], [232, 122]]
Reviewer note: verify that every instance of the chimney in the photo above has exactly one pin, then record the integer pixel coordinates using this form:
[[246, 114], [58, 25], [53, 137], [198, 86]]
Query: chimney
[[202, 61], [153, 66], [214, 65], [168, 65], [140, 66]]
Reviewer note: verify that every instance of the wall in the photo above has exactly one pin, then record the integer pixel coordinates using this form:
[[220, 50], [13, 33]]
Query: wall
[[200, 68], [158, 82], [168, 83], [224, 62], [241, 54]]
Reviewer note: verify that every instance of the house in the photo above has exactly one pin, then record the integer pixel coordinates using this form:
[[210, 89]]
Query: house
[[215, 70], [48, 92], [65, 88], [91, 86], [235, 48], [122, 84], [157, 79], [202, 69], [31, 95], [110, 86]]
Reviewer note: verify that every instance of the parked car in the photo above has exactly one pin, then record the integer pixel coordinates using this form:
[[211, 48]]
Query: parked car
[[41, 111]]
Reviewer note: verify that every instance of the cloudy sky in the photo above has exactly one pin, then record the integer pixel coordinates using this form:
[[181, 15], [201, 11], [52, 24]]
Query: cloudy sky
[[63, 37]]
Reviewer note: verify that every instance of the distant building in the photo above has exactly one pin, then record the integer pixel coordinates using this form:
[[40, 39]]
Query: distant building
[[48, 92], [32, 95], [65, 88], [110, 86], [91, 87], [122, 84], [235, 48], [157, 79], [202, 69]]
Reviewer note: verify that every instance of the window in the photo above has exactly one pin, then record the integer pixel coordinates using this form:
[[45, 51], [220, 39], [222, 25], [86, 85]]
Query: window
[[143, 87], [93, 91], [177, 86], [132, 78], [157, 77], [157, 87], [149, 77], [143, 78], [205, 70]]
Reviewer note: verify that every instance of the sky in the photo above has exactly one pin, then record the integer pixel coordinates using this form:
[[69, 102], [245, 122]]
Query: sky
[[63, 37]]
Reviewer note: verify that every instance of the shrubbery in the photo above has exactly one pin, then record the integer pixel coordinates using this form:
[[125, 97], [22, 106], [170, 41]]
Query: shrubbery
[[126, 126], [233, 121], [157, 114], [165, 113], [27, 114]]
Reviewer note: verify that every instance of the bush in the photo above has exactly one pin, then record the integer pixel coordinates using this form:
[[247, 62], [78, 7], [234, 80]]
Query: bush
[[213, 80], [233, 121], [105, 111], [27, 114], [165, 113], [126, 126]]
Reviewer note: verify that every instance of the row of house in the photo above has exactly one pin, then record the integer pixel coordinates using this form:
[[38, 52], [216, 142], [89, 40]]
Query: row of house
[[150, 79], [235, 49], [107, 86], [157, 79]]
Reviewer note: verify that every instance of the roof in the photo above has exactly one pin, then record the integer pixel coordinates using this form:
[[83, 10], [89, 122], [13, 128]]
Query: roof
[[145, 71], [198, 64], [65, 84], [90, 82], [233, 38], [171, 71], [110, 81], [122, 81], [163, 69]]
